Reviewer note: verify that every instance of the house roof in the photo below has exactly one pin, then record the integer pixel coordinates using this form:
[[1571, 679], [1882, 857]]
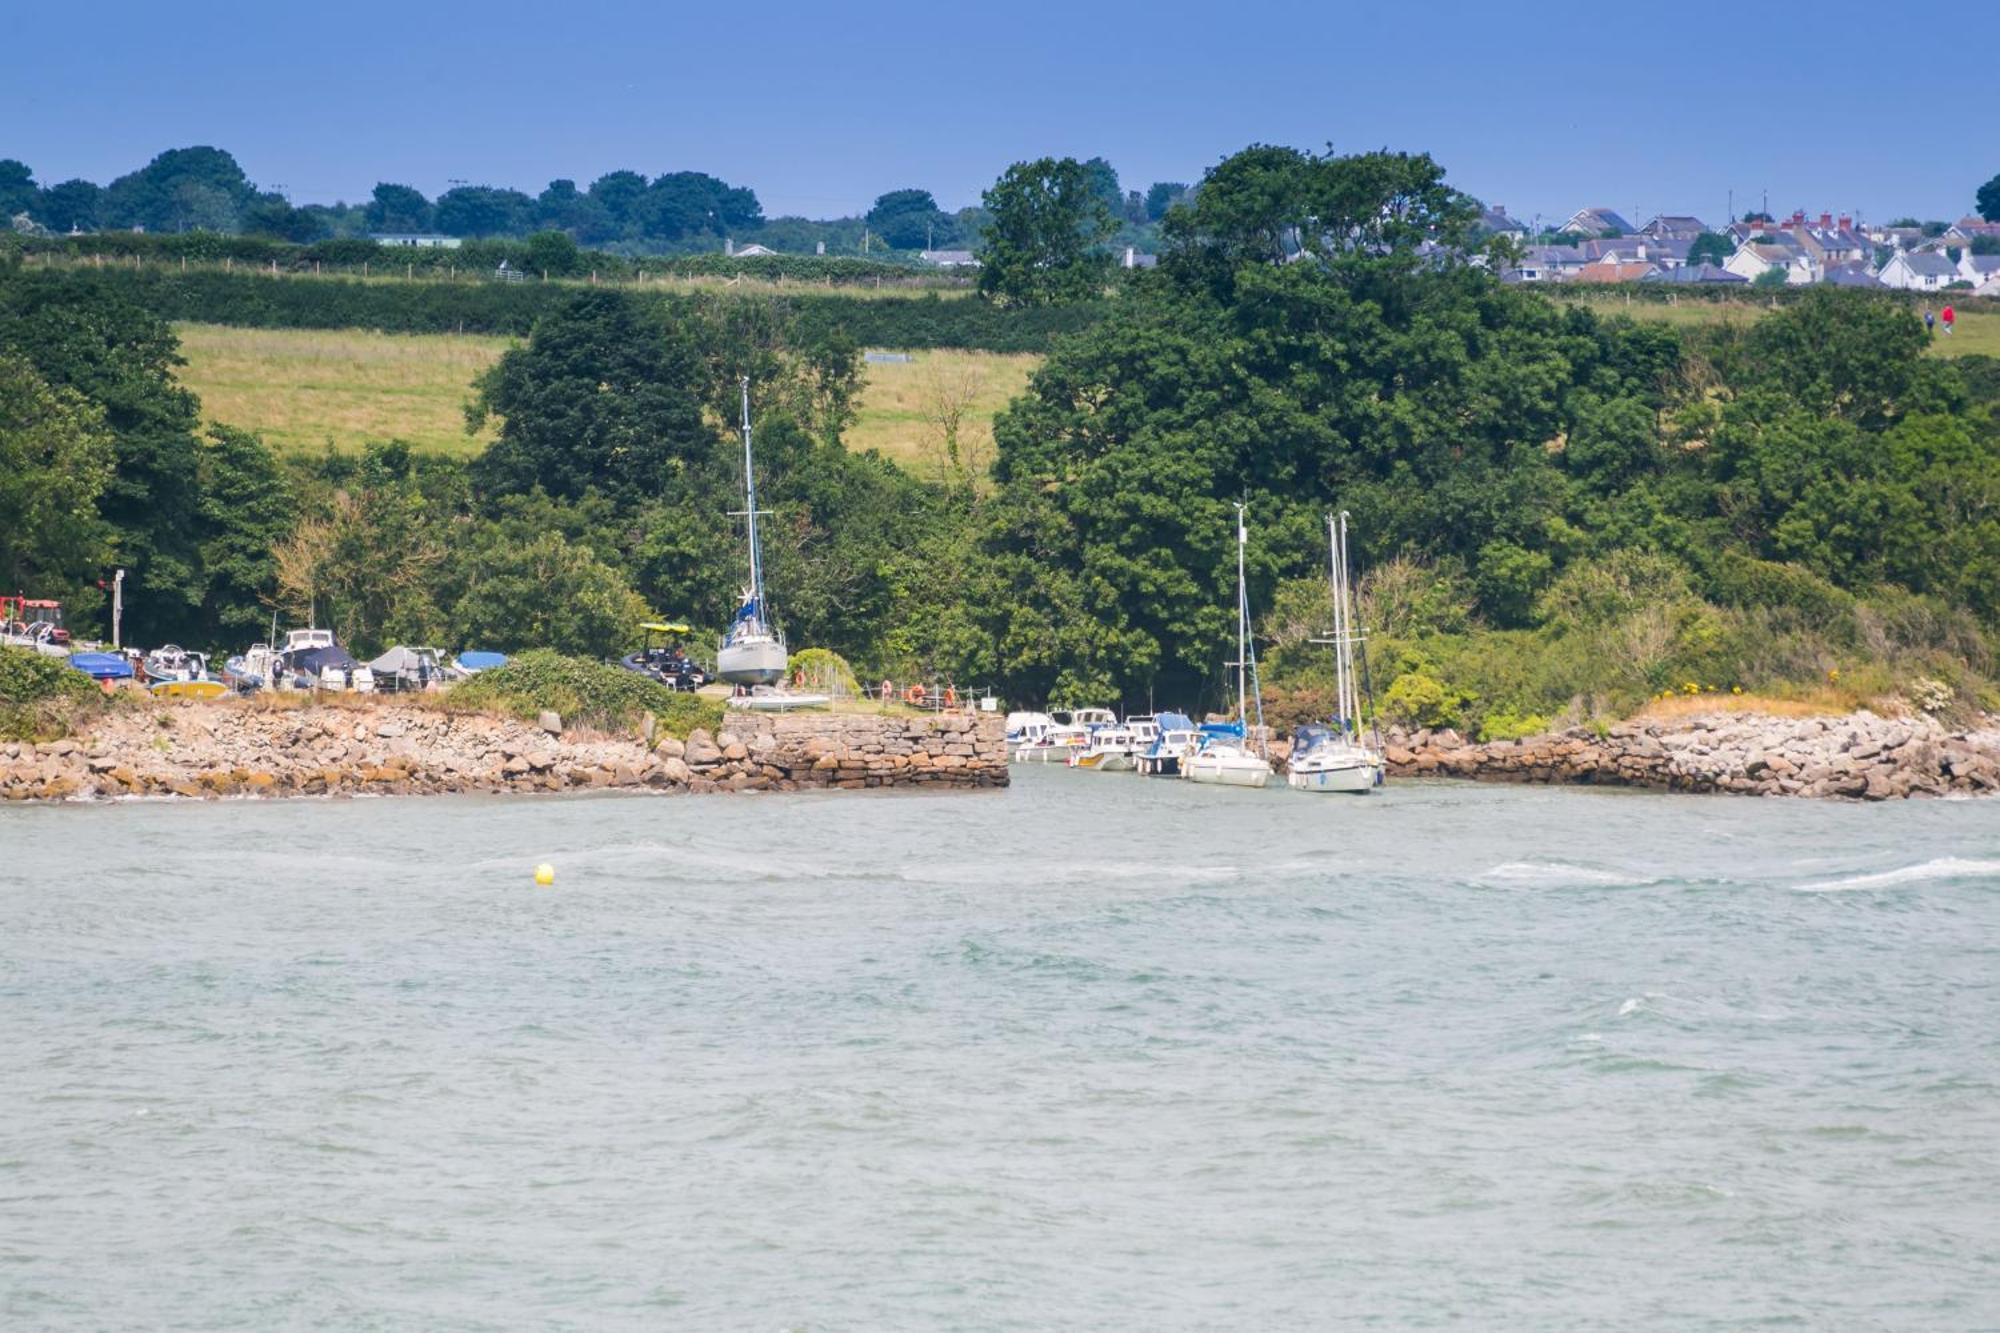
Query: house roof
[[1597, 219], [1696, 273], [1496, 219], [1926, 263], [1771, 252], [1850, 275], [1677, 224], [1605, 270], [1983, 264]]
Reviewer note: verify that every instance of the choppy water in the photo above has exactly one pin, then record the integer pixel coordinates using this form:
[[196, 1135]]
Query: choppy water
[[1093, 1052]]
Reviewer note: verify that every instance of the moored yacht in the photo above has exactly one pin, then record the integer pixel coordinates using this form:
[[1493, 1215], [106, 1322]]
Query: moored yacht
[[1333, 757], [1225, 758], [1175, 738]]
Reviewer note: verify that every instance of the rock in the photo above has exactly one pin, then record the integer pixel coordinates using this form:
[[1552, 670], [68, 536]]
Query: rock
[[670, 748], [550, 721]]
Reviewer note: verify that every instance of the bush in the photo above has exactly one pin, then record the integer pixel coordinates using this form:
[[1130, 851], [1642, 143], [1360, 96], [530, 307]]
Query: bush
[[1505, 726], [585, 693], [1422, 700], [42, 698], [827, 671]]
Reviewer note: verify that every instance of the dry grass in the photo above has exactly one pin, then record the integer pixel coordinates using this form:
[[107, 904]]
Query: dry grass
[[306, 388], [1978, 329], [904, 406], [1817, 702]]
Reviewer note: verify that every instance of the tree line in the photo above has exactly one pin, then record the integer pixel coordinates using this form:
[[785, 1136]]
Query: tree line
[[1557, 511], [624, 211]]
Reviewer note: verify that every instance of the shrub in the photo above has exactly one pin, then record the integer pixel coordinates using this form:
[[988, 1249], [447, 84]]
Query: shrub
[[41, 698], [585, 693], [1422, 700], [827, 671], [1505, 726]]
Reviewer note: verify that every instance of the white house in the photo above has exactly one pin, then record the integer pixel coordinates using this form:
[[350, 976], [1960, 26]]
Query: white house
[[416, 240], [1919, 271], [951, 258], [750, 251], [1977, 269], [1754, 260]]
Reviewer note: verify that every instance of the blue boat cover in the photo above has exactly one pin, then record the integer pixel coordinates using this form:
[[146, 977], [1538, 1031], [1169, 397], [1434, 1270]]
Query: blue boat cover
[[1174, 721], [1218, 731], [102, 666], [474, 660]]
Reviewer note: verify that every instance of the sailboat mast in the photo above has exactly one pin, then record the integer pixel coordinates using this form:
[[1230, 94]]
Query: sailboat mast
[[1242, 624], [750, 506], [1339, 624]]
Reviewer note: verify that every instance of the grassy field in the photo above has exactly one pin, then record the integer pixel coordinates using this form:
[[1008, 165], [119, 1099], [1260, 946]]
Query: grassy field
[[1978, 330], [307, 388]]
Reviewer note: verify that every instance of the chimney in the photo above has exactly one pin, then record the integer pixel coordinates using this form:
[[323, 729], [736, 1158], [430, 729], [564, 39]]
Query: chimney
[[1846, 222], [1825, 221]]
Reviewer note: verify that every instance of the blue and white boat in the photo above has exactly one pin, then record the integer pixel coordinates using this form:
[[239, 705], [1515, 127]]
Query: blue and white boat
[[1176, 738]]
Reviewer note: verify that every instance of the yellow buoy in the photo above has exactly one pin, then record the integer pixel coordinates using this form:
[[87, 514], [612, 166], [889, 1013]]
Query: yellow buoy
[[545, 874]]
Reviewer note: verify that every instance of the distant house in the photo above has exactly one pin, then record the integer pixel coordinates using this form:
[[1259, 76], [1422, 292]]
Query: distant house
[[1133, 259], [1495, 221], [1638, 249], [750, 251], [1967, 230], [1829, 241], [1674, 227], [417, 240], [1702, 274], [1991, 287], [1850, 275], [1546, 263], [1897, 238], [1977, 269], [953, 258], [1757, 258], [1612, 270], [1918, 271], [1597, 222]]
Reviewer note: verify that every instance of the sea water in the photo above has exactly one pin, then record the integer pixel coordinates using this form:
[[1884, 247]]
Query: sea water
[[1096, 1051]]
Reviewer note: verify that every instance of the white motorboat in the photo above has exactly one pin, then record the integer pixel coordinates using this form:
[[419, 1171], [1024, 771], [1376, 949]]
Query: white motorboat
[[1025, 729], [752, 651], [315, 662], [1333, 758], [1225, 758], [1108, 750], [259, 667], [174, 672]]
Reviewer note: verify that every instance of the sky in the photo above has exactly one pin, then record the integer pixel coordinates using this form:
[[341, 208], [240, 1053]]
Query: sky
[[819, 108]]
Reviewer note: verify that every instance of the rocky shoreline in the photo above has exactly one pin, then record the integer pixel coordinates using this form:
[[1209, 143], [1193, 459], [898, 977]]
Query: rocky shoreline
[[1858, 756], [235, 748]]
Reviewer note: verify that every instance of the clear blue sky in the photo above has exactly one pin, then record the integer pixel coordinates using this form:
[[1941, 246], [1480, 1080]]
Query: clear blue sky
[[821, 107]]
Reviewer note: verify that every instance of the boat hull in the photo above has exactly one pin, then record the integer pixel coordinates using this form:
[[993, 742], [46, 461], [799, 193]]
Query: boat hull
[[1356, 779], [189, 689], [1226, 770], [751, 662]]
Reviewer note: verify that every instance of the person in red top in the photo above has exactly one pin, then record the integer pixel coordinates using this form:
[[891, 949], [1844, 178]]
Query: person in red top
[[1947, 315]]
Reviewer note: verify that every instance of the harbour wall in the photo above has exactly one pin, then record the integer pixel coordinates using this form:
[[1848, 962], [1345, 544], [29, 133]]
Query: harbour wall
[[385, 747], [1858, 756]]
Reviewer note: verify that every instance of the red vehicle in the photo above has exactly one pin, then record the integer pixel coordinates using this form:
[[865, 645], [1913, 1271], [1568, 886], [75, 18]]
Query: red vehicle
[[32, 617]]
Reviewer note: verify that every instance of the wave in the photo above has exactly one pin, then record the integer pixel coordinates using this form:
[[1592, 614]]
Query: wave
[[1553, 875], [1943, 867]]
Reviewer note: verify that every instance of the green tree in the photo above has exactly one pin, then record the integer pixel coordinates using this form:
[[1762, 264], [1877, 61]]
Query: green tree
[[543, 592], [1044, 243], [73, 205], [604, 397], [1163, 195], [89, 336], [911, 220], [18, 192], [183, 189], [1710, 248], [1771, 277], [1988, 200], [481, 210], [553, 253], [247, 508], [398, 209], [55, 461]]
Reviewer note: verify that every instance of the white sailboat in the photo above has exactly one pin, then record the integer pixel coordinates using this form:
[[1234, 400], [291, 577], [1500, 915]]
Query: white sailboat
[[1333, 758], [1229, 761], [752, 651]]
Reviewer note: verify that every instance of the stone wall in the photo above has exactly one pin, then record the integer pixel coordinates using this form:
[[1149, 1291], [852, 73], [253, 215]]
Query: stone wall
[[1859, 756], [390, 747]]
